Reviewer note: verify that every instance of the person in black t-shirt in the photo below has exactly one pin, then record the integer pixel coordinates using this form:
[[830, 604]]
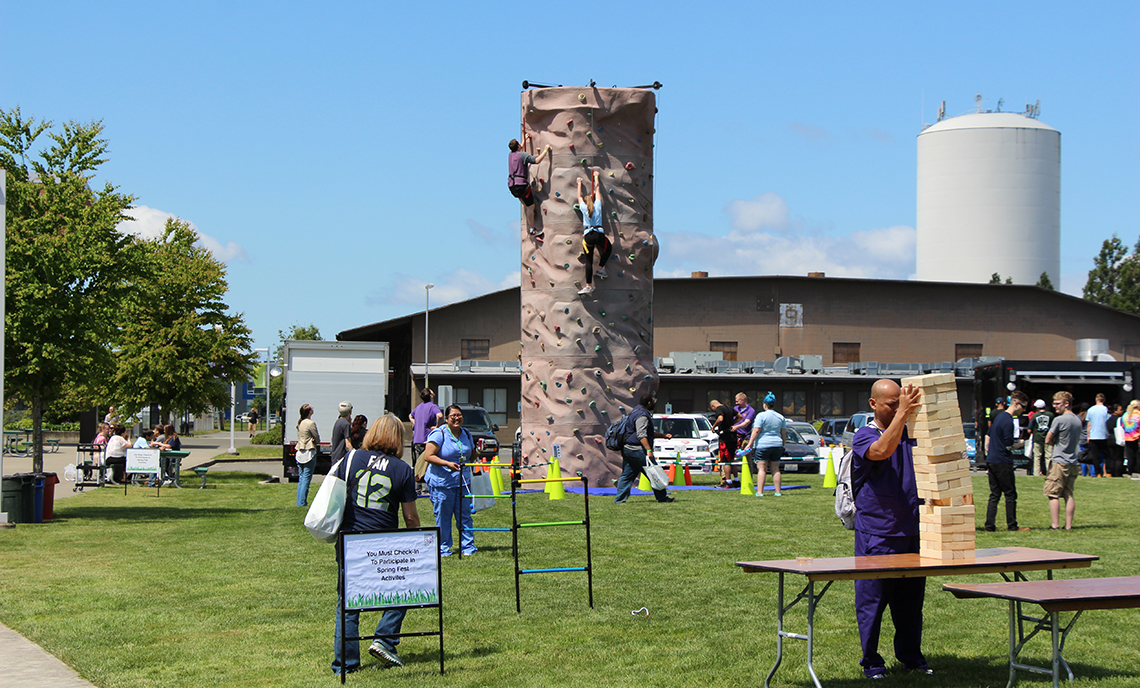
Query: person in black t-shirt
[[380, 484], [999, 463], [726, 417]]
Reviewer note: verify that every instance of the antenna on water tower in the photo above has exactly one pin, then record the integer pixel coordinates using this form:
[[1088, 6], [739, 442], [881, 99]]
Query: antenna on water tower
[[1001, 101], [978, 101], [942, 111]]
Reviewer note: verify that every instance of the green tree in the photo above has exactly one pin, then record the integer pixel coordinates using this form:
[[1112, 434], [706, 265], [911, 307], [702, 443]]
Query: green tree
[[1044, 282], [1115, 278], [180, 346], [68, 267], [294, 333]]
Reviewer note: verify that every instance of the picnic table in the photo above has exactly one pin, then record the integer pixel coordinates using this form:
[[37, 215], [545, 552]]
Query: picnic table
[[1054, 596], [1002, 561], [12, 442]]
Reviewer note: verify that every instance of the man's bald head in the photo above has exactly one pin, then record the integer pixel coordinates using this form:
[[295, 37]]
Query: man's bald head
[[884, 388], [884, 401]]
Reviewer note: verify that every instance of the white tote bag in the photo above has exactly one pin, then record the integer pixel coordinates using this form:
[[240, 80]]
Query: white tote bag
[[481, 485], [327, 510], [656, 474]]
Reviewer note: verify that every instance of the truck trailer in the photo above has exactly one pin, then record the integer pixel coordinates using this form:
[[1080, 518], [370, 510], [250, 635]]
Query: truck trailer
[[323, 374]]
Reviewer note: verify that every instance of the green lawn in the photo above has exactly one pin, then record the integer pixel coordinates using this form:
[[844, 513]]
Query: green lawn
[[225, 587], [252, 451]]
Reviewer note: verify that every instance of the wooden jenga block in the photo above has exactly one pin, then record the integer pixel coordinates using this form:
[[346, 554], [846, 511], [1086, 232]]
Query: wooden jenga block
[[921, 422], [930, 380], [957, 500], [946, 555], [924, 455], [965, 511]]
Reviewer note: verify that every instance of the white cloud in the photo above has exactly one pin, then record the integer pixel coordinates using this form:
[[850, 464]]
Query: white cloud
[[460, 285], [767, 241], [149, 223], [766, 211]]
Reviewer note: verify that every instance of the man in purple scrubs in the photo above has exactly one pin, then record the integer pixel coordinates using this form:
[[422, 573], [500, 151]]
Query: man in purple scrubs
[[886, 522], [424, 417]]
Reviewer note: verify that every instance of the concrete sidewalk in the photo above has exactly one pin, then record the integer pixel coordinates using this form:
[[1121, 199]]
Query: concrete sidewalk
[[23, 664], [202, 448]]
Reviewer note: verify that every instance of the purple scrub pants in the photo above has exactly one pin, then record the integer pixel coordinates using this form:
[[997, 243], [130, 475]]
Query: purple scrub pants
[[903, 595]]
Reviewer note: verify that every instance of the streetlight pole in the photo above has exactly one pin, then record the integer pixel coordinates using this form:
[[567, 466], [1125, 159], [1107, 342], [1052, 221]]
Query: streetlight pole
[[266, 371], [233, 417], [427, 302]]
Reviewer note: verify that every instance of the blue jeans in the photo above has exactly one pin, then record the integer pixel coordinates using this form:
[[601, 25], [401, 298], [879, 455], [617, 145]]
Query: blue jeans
[[632, 464], [304, 477], [447, 503], [389, 626]]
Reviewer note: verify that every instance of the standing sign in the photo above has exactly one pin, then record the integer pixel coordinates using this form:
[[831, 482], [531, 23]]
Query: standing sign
[[143, 460], [383, 569], [391, 569], [146, 461]]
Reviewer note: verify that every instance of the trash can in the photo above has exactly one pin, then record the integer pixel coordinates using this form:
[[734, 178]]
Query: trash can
[[37, 498], [50, 481], [19, 490]]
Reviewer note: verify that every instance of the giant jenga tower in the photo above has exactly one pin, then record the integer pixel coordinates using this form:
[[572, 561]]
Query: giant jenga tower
[[586, 360], [942, 471]]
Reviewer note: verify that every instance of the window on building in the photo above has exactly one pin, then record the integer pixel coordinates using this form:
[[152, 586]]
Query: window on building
[[726, 348], [462, 394], [844, 352], [495, 401], [967, 351], [795, 405], [474, 349], [830, 404]]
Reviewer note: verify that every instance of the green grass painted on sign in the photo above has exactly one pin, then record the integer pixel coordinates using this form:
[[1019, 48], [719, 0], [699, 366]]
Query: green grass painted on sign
[[225, 587]]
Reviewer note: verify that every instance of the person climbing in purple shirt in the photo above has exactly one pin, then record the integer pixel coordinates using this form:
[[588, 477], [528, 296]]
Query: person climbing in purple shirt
[[518, 179]]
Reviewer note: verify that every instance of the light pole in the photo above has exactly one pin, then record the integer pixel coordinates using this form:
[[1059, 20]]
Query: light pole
[[427, 302], [266, 414], [233, 417]]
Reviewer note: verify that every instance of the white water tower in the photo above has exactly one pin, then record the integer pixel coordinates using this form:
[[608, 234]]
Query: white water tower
[[989, 199]]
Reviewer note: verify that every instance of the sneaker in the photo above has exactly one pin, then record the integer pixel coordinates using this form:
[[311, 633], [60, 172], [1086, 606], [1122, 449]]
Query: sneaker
[[588, 289], [759, 493], [922, 670], [600, 273], [667, 500], [1019, 530], [777, 494], [381, 652], [880, 675]]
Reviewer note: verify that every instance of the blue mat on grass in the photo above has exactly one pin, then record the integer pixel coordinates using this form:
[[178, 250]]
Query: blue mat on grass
[[611, 491]]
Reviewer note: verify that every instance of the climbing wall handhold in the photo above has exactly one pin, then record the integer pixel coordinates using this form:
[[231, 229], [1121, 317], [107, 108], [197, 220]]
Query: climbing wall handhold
[[583, 390], [598, 348], [556, 384], [613, 213], [569, 376], [602, 313], [596, 329], [629, 166], [585, 162], [611, 174], [558, 194], [566, 266], [568, 242], [542, 315], [597, 373], [579, 320], [593, 404], [542, 385], [566, 310], [570, 123], [549, 419], [581, 97], [577, 207], [627, 367], [632, 257], [569, 400], [589, 134]]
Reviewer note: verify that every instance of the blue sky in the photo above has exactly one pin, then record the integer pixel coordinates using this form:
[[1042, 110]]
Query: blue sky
[[340, 157]]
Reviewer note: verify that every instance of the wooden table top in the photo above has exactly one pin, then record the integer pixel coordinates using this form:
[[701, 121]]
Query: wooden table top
[[1060, 595], [996, 560]]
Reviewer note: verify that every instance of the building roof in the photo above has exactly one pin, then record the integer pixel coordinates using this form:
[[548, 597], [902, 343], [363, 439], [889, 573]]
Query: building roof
[[987, 120]]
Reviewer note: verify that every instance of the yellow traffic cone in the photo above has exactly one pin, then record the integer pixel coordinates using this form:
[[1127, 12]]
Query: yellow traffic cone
[[556, 490], [643, 484], [829, 477], [496, 480], [746, 486]]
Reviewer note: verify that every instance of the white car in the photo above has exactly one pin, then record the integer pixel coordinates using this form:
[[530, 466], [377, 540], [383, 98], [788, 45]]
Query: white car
[[808, 432], [687, 436]]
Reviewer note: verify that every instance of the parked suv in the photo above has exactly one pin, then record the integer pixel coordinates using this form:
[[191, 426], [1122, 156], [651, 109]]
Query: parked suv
[[482, 430], [853, 424], [831, 430]]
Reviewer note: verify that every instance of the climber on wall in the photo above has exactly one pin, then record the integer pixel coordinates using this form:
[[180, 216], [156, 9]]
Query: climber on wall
[[593, 235], [518, 178]]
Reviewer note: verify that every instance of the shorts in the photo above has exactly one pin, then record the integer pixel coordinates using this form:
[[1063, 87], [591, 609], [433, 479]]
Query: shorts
[[522, 192], [726, 450], [770, 455], [1059, 483]]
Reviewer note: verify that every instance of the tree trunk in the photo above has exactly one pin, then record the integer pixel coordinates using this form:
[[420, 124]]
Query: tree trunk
[[37, 433]]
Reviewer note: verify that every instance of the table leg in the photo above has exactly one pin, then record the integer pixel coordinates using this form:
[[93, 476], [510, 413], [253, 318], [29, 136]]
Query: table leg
[[779, 631], [811, 631], [1056, 650], [1014, 623]]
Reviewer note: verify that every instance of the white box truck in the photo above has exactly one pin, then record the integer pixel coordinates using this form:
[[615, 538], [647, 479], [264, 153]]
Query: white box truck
[[323, 374]]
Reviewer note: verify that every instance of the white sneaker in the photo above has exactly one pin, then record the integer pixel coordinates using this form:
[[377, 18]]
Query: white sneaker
[[588, 289], [600, 273]]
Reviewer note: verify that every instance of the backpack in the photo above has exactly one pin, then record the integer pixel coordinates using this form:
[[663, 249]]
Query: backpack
[[845, 492], [616, 433], [619, 430]]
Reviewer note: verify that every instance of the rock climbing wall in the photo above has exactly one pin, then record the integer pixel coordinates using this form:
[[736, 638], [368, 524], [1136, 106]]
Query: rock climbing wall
[[586, 359]]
